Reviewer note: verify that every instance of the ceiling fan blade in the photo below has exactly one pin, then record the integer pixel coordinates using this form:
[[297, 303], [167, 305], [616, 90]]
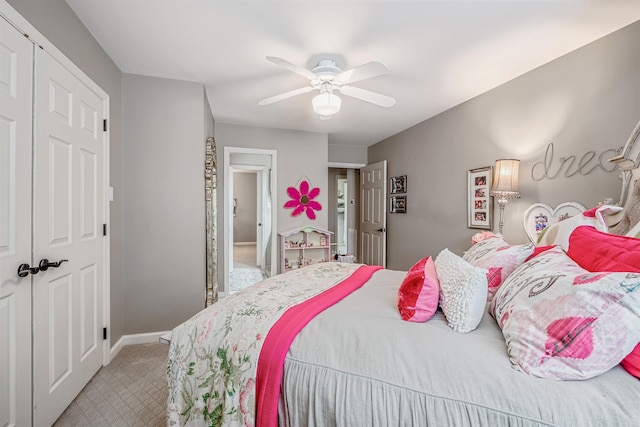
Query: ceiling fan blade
[[367, 95], [285, 95], [363, 72], [291, 67]]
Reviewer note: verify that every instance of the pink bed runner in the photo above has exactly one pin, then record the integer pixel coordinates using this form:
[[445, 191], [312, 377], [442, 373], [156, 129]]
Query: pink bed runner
[[282, 334]]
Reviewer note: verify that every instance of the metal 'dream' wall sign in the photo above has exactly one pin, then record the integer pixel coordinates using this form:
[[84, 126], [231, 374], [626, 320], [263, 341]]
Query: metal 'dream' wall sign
[[571, 165]]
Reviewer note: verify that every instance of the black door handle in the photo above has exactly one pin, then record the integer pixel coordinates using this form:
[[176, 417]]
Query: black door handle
[[381, 230], [45, 264], [25, 269]]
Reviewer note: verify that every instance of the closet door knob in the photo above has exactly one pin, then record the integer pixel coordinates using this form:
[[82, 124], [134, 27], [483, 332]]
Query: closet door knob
[[25, 269], [45, 264]]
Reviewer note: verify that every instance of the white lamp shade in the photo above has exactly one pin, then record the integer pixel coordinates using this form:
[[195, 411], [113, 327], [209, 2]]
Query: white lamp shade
[[326, 104], [505, 178]]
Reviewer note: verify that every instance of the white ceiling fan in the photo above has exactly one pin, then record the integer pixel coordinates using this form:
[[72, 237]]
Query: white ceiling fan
[[327, 77]]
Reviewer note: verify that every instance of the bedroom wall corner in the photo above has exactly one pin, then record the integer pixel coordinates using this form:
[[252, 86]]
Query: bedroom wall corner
[[586, 101], [59, 24], [164, 255]]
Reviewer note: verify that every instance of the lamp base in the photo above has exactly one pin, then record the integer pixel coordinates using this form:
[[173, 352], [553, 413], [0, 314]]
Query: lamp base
[[501, 203]]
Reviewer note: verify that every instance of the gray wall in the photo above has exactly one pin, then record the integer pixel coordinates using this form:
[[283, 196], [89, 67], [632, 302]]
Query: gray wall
[[299, 154], [57, 22], [346, 154], [245, 192], [164, 216], [588, 100]]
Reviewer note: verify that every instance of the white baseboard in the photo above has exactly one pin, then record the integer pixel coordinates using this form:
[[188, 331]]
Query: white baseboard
[[244, 243], [149, 337]]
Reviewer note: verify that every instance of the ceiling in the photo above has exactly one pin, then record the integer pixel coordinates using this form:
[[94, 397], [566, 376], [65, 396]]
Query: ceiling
[[438, 53]]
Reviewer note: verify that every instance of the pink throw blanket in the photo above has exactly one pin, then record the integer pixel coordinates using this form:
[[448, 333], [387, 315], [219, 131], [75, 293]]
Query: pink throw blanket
[[282, 334]]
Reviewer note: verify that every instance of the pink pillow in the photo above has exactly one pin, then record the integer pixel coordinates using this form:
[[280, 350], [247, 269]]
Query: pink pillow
[[632, 362], [598, 251], [561, 321], [594, 250], [499, 258], [419, 292]]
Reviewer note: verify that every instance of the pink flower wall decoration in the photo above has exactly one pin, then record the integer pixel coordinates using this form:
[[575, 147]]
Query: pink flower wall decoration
[[302, 201]]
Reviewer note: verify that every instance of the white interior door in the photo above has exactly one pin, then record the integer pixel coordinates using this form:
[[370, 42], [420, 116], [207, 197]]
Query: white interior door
[[265, 229], [373, 218], [259, 219], [16, 58], [67, 220]]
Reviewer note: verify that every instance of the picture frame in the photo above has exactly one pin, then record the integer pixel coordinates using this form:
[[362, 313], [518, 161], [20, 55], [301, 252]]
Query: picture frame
[[540, 216], [398, 184], [398, 204], [479, 200]]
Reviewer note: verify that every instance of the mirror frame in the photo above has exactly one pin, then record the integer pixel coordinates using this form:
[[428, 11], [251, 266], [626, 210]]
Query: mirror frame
[[210, 184]]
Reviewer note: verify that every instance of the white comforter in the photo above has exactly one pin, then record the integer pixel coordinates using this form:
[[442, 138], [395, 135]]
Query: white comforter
[[359, 364]]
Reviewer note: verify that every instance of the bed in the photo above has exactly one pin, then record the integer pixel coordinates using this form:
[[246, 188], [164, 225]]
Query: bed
[[521, 335]]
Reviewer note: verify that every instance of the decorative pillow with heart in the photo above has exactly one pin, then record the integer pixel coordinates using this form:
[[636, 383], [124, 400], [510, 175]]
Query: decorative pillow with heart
[[463, 291], [419, 292], [563, 322], [499, 258]]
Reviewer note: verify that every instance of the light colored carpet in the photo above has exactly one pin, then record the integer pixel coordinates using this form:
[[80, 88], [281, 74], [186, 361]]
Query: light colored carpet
[[242, 278], [245, 271], [130, 392]]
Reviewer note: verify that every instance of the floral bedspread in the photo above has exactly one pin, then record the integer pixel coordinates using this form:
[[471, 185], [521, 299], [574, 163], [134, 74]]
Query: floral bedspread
[[211, 373]]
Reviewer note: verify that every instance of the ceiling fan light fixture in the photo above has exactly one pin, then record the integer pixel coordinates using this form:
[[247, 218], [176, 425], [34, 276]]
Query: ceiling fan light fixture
[[326, 104]]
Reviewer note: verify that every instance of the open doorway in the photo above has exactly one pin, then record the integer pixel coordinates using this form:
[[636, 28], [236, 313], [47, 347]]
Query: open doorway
[[247, 260], [250, 217], [342, 214], [344, 210]]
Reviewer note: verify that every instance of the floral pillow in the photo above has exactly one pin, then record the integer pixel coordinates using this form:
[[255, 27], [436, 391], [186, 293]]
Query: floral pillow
[[463, 291], [563, 322], [499, 258], [419, 292]]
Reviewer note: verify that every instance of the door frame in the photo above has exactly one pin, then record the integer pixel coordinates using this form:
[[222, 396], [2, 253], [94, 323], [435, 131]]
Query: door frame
[[22, 25], [228, 208]]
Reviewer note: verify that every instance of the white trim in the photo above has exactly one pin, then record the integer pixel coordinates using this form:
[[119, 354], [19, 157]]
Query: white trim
[[146, 338], [228, 207], [244, 243], [106, 240], [346, 165]]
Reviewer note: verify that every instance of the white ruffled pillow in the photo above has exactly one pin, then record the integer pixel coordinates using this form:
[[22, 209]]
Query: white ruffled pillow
[[463, 291]]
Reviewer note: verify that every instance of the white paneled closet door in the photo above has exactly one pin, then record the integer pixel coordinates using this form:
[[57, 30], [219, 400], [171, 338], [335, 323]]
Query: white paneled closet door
[[53, 173], [68, 187], [16, 58]]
